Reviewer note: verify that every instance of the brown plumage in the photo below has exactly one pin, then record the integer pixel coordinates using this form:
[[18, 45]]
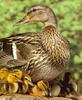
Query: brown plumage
[[46, 52]]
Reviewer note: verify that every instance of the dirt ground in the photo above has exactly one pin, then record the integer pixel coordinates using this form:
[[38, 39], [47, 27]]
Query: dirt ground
[[28, 97]]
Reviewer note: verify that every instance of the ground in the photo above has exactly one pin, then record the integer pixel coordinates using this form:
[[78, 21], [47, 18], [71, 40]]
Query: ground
[[28, 97]]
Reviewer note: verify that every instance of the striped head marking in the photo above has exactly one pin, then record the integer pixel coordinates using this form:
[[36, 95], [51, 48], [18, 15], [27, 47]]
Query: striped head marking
[[37, 13]]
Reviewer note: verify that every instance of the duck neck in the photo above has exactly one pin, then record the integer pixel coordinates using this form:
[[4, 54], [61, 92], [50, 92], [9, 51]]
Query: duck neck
[[47, 37], [54, 43], [52, 20]]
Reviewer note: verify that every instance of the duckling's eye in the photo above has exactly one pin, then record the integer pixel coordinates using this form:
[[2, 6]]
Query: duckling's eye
[[26, 78], [15, 76]]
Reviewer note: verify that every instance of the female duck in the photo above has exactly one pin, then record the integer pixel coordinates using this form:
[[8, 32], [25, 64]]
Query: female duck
[[46, 52]]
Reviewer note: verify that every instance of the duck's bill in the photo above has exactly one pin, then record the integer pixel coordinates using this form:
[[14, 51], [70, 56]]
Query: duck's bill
[[31, 84], [20, 81], [23, 20]]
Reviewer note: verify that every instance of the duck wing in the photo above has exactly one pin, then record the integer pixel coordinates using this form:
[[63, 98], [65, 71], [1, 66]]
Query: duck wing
[[9, 62], [24, 43]]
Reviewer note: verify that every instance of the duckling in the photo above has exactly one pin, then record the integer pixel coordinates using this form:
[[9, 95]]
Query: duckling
[[13, 83], [27, 84], [42, 85], [46, 52], [68, 85], [55, 90], [4, 73], [39, 89], [37, 92], [18, 73], [3, 80], [13, 79]]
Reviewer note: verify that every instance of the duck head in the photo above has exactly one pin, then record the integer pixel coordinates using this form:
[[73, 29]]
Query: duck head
[[39, 13]]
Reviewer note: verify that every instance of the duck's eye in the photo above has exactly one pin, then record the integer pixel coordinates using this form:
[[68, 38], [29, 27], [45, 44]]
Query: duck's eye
[[34, 10]]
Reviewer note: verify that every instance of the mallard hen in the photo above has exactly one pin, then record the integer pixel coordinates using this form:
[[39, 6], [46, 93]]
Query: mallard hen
[[46, 52]]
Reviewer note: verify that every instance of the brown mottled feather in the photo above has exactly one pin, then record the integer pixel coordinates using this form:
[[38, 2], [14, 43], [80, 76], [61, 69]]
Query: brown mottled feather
[[46, 52]]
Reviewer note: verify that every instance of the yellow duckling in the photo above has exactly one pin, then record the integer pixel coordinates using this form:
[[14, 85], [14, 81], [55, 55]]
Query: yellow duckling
[[42, 85], [14, 79], [18, 73], [3, 74], [40, 89], [27, 83], [3, 80]]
